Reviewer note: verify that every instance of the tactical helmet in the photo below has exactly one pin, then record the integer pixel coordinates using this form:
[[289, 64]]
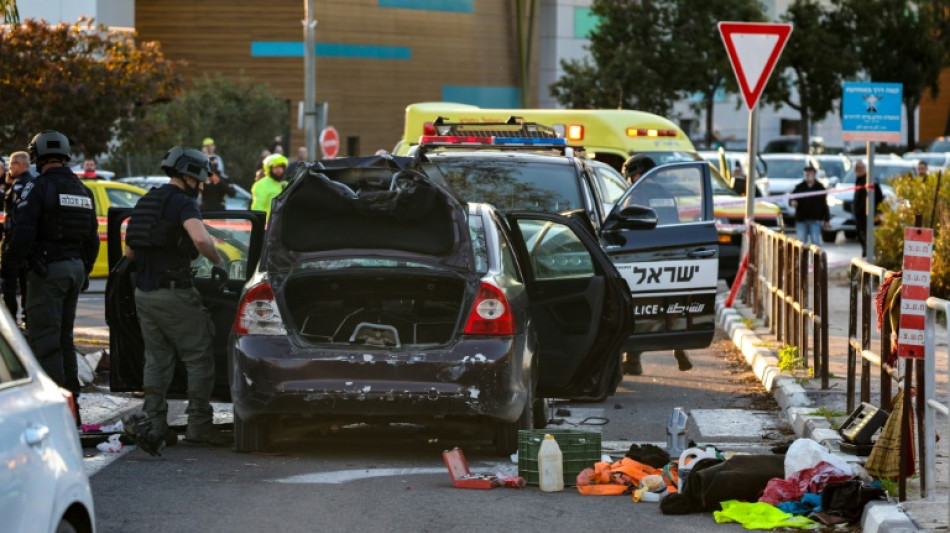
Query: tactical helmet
[[187, 161], [637, 164], [48, 144], [274, 160]]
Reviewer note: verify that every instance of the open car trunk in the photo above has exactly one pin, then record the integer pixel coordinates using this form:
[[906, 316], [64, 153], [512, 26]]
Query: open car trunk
[[374, 307]]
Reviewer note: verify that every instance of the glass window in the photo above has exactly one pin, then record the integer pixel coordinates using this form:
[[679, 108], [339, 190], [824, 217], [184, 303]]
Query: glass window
[[231, 237], [11, 368], [122, 197], [476, 231], [513, 184], [675, 193], [555, 251]]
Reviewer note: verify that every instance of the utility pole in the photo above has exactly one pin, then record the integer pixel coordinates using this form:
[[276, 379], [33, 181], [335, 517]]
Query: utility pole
[[310, 80]]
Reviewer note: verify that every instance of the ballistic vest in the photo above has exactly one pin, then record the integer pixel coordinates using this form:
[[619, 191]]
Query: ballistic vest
[[149, 229], [68, 218]]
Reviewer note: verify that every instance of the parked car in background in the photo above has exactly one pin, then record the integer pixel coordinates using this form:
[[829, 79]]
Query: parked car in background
[[240, 201], [935, 160], [43, 486], [742, 159], [841, 204], [786, 171], [940, 144], [835, 166], [792, 144]]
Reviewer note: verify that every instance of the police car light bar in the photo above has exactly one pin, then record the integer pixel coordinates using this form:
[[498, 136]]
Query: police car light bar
[[453, 140]]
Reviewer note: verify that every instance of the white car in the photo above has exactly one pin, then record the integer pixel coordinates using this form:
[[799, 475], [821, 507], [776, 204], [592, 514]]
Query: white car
[[240, 201], [43, 486], [935, 160], [742, 159], [840, 205]]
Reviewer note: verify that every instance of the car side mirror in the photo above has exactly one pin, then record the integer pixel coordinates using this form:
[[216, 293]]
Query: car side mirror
[[632, 217]]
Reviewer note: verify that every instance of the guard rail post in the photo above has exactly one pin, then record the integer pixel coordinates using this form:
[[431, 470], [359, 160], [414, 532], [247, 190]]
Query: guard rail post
[[932, 406]]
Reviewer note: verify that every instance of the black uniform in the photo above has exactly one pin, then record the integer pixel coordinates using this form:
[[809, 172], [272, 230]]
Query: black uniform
[[17, 281], [56, 236], [860, 209]]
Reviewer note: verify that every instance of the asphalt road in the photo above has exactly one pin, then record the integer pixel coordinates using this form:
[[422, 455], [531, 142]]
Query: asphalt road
[[393, 478]]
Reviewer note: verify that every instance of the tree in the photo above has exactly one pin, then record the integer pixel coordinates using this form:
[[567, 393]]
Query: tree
[[632, 66], [11, 15], [816, 61], [80, 79], [242, 116], [899, 41]]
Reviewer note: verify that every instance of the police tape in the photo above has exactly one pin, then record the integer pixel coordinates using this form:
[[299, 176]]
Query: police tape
[[773, 198]]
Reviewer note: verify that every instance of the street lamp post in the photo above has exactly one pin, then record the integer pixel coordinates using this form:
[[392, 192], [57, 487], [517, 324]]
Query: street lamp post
[[310, 80]]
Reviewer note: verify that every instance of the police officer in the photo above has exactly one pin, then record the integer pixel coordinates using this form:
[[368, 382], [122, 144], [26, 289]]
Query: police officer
[[16, 179], [165, 234], [56, 237], [653, 195]]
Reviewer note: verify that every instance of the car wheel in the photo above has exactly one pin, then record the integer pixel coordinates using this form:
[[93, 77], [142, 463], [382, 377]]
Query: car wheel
[[506, 433], [829, 236], [65, 527], [851, 235], [541, 406], [250, 437]]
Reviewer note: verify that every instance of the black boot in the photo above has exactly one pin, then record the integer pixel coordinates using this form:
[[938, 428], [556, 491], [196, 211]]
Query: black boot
[[631, 364], [682, 360]]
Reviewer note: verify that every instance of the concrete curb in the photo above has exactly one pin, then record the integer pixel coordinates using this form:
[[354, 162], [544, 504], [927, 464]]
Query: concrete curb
[[795, 403]]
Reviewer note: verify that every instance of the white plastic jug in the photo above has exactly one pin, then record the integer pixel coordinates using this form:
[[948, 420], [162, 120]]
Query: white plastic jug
[[689, 457], [550, 465]]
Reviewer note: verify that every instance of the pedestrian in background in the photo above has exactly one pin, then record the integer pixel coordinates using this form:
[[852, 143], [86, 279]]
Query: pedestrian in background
[[271, 183], [209, 148], [811, 212], [859, 207], [652, 195], [16, 180], [56, 235], [165, 233], [89, 170], [214, 191], [922, 169]]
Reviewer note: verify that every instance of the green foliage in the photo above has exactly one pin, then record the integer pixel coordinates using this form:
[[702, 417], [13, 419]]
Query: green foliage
[[901, 41], [789, 360], [241, 116], [818, 32], [890, 486], [748, 323], [917, 196], [81, 79], [10, 13]]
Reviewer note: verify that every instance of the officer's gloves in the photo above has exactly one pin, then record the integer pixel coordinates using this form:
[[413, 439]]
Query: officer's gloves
[[219, 275]]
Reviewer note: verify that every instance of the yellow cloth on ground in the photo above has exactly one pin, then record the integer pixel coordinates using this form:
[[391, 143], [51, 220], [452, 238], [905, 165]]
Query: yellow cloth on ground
[[760, 515]]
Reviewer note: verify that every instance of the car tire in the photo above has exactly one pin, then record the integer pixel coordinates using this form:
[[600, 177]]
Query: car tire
[[851, 235], [828, 236], [506, 433], [250, 437], [540, 412]]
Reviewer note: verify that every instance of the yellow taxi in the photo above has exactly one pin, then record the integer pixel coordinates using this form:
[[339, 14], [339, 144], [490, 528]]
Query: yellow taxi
[[109, 194]]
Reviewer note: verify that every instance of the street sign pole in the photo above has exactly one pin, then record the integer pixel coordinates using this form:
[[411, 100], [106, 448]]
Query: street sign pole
[[871, 203], [310, 80], [752, 146]]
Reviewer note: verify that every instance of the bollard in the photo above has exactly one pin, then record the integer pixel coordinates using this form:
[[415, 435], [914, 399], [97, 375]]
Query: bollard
[[676, 432]]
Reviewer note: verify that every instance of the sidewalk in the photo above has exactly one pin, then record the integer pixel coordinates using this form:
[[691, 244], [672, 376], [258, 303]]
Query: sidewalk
[[800, 400]]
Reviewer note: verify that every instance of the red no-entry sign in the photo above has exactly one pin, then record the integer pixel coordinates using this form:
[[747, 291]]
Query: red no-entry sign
[[330, 142], [754, 50]]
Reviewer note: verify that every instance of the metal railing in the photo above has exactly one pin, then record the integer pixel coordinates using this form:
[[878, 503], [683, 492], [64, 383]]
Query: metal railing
[[932, 406], [865, 280], [780, 292]]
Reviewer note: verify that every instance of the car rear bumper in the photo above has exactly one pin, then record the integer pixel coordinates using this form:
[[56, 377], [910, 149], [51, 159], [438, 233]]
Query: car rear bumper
[[477, 377]]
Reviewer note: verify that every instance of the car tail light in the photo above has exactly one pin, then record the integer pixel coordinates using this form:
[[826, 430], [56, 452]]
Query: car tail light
[[490, 314], [575, 132], [71, 401], [429, 129], [258, 313]]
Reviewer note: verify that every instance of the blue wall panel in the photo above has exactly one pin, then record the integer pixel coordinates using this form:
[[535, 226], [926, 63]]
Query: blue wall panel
[[483, 96], [337, 50], [454, 6]]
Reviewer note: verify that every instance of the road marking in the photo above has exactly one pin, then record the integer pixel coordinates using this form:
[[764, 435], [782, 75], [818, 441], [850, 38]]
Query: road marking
[[94, 464], [345, 476]]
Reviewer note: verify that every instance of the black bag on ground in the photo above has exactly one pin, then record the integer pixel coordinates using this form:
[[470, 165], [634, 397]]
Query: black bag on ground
[[848, 498], [711, 481]]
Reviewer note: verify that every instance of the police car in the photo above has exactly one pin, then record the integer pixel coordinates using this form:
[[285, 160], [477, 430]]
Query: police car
[[671, 266]]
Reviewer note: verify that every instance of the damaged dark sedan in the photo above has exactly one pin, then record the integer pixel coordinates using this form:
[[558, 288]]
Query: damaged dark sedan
[[379, 297]]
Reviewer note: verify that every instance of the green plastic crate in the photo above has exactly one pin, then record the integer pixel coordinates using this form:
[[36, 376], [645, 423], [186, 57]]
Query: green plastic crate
[[579, 449]]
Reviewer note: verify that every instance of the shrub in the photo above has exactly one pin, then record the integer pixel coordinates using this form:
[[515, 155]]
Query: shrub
[[917, 196]]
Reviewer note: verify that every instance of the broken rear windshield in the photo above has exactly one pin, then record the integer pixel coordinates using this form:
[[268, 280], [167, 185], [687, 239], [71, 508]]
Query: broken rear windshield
[[513, 184]]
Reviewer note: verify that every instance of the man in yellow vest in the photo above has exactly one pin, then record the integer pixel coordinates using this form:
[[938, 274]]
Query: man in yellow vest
[[268, 187]]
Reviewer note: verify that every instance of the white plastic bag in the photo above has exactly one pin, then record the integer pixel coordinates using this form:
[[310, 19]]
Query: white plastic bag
[[113, 445], [87, 366], [806, 453]]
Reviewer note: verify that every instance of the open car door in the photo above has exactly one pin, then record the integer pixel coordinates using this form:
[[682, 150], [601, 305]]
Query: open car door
[[238, 236], [661, 235], [580, 307]]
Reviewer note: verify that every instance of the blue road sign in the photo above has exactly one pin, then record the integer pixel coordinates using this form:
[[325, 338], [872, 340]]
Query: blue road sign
[[871, 111]]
